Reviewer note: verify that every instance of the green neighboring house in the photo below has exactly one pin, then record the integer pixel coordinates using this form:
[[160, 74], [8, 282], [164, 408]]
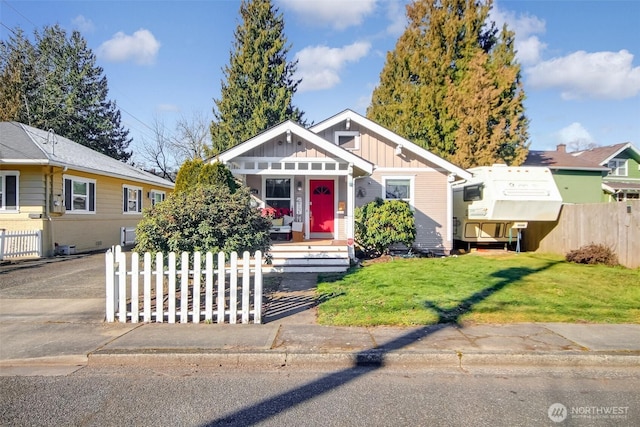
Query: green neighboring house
[[578, 179], [623, 163]]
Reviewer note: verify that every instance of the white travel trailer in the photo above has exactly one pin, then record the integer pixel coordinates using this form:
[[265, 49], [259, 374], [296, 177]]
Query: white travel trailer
[[500, 200]]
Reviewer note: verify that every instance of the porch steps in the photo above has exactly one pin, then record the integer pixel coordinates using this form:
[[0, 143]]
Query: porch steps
[[307, 258]]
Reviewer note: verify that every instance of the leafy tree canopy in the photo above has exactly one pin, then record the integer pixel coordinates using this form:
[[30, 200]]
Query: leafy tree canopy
[[196, 173], [259, 83], [54, 83], [452, 85]]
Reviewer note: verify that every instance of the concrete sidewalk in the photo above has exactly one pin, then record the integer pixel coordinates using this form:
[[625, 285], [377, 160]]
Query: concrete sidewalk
[[45, 335]]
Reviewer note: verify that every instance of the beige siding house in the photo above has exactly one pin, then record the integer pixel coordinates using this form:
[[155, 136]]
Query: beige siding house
[[75, 196], [318, 176]]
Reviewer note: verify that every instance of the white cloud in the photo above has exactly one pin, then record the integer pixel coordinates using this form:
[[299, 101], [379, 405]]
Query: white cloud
[[320, 66], [339, 14], [171, 108], [574, 134], [600, 75], [528, 46], [141, 47], [83, 24]]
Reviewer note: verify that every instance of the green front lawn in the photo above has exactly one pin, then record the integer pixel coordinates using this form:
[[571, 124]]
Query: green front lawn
[[505, 288]]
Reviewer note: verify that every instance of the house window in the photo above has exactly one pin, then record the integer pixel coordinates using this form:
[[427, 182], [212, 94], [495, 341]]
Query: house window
[[156, 197], [132, 199], [399, 188], [278, 192], [349, 140], [9, 191], [618, 167], [79, 194]]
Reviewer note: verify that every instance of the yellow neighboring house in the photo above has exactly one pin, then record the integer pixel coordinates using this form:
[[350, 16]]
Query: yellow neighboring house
[[79, 200]]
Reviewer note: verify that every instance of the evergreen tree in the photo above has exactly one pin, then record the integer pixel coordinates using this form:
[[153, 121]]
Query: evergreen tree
[[259, 86], [54, 83], [452, 85]]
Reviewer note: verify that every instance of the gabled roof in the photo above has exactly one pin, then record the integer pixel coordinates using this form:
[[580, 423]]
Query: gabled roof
[[393, 137], [301, 132], [556, 160], [25, 145], [602, 155]]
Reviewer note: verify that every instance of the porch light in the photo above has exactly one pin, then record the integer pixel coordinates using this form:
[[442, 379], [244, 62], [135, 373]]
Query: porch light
[[299, 185]]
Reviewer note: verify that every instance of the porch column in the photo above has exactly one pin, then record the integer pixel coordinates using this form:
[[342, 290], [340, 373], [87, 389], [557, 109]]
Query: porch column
[[349, 220]]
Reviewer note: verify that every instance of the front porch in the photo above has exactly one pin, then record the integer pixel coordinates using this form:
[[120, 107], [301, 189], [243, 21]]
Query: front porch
[[309, 256]]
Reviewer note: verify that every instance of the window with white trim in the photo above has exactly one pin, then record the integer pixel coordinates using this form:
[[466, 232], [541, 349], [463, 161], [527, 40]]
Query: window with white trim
[[398, 188], [9, 184], [618, 167], [132, 199], [79, 194], [349, 140], [278, 192], [156, 197]]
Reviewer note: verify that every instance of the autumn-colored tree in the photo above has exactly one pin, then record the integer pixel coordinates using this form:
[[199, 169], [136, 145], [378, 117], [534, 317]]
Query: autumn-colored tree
[[259, 85], [452, 85]]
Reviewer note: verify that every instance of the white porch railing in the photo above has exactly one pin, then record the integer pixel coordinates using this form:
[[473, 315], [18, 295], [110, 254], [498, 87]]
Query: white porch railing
[[145, 291], [20, 243]]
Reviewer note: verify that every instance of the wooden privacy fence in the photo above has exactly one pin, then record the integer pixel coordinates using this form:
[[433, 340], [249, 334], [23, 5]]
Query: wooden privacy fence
[[616, 225], [20, 243], [141, 290]]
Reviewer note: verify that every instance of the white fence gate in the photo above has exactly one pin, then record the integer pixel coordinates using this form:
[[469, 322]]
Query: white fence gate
[[20, 243], [154, 292]]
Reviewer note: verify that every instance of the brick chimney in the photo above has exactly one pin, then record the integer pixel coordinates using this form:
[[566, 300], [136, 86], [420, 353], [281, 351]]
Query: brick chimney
[[561, 148]]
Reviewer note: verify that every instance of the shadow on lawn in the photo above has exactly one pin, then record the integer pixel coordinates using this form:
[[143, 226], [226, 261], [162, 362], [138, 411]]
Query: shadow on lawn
[[367, 361]]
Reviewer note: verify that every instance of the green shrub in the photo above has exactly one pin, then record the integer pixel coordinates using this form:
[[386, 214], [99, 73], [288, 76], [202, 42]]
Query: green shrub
[[380, 224], [593, 254], [207, 218]]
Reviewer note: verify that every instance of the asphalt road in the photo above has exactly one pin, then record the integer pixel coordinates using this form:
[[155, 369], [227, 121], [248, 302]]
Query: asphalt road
[[191, 396]]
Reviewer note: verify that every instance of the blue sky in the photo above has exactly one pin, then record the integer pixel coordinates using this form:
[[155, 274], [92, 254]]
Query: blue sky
[[164, 59]]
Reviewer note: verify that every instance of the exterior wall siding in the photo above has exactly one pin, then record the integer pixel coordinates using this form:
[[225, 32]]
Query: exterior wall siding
[[579, 186]]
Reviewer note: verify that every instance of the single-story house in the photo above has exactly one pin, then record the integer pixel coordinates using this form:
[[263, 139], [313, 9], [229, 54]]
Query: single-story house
[[320, 175], [623, 162], [76, 197], [579, 180]]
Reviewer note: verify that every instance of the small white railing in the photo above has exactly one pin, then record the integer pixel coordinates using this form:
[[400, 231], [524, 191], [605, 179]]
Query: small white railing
[[228, 291], [20, 243]]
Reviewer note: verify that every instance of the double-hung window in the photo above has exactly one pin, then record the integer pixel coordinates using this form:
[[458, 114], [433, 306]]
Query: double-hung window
[[9, 181], [278, 192], [156, 197], [618, 167], [399, 188], [79, 194], [132, 199]]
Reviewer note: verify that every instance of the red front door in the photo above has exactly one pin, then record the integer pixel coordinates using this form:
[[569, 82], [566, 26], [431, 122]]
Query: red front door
[[322, 209]]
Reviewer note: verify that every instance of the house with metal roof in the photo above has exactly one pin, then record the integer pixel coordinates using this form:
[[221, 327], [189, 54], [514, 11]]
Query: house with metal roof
[[75, 197]]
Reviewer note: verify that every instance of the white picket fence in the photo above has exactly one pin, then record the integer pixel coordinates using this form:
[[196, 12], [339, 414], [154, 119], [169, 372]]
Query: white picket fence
[[20, 243], [229, 291]]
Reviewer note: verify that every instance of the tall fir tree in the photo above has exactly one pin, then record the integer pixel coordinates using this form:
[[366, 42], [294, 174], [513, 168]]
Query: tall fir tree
[[54, 83], [452, 85], [259, 84]]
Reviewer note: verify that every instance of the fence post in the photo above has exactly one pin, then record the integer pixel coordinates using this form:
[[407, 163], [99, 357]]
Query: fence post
[[246, 277], [233, 289], [2, 232], [257, 292], [196, 287], [208, 304], [184, 288], [172, 287], [110, 309], [122, 287], [147, 288], [221, 287], [159, 288]]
